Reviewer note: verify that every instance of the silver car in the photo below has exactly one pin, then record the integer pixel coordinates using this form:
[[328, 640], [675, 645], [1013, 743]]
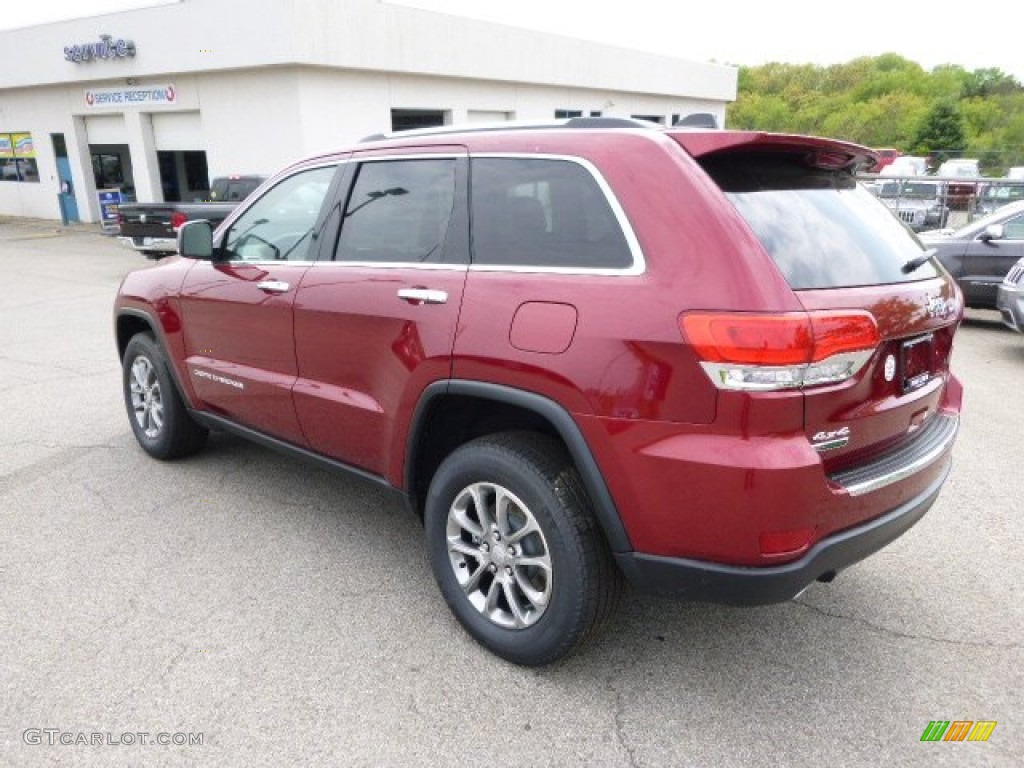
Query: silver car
[[1010, 298]]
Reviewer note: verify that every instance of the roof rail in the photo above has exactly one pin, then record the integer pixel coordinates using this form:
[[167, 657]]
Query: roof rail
[[519, 125]]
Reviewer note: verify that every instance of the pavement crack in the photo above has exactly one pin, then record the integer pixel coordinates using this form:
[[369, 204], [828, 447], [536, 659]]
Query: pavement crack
[[908, 635], [617, 718]]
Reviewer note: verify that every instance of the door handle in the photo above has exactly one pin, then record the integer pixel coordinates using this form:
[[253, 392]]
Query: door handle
[[423, 295], [272, 286]]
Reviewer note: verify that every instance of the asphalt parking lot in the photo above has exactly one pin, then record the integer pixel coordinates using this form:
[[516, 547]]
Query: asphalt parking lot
[[288, 617]]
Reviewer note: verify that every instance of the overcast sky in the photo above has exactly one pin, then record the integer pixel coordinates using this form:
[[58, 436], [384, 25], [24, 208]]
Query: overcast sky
[[743, 32]]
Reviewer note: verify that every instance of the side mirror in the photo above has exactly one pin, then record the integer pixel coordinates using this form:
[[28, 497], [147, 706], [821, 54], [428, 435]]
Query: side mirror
[[195, 240], [993, 232]]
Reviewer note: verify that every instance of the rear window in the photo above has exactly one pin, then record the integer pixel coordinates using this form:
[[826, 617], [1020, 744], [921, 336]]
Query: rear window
[[822, 228]]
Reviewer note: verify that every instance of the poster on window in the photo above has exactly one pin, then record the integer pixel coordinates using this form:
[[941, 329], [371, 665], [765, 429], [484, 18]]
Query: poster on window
[[23, 146], [6, 146]]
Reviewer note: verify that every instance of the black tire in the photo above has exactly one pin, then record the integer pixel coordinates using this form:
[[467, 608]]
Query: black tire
[[175, 434], [583, 582]]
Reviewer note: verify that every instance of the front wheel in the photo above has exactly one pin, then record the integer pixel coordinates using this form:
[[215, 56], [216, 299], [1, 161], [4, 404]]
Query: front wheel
[[158, 416], [515, 550]]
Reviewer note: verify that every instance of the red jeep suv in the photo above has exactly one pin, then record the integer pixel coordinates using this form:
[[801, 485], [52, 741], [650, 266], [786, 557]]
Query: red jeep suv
[[706, 362]]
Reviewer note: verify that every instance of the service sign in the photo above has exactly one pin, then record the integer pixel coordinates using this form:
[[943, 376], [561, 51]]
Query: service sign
[[106, 48], [132, 96], [6, 145]]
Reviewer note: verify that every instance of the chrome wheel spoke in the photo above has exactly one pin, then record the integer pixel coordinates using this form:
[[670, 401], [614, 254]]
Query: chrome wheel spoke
[[518, 613], [493, 594], [461, 517], [502, 501], [539, 561], [514, 537], [472, 582], [483, 511], [536, 597], [458, 545]]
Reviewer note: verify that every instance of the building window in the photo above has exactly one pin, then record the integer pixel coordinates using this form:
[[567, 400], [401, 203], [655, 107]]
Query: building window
[[659, 119], [107, 170], [18, 158], [562, 114], [595, 113], [411, 119]]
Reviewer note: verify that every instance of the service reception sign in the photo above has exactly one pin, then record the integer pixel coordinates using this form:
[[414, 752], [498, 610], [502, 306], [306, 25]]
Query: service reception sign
[[132, 96]]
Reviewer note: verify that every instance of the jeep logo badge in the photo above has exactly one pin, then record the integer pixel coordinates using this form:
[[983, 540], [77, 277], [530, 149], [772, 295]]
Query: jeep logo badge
[[936, 306], [890, 367]]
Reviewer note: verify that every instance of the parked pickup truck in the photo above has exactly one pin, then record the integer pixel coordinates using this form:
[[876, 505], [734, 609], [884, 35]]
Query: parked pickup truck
[[152, 228]]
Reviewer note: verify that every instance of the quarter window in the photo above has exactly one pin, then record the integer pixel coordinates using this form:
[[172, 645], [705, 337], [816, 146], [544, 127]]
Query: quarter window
[[399, 211], [279, 226], [543, 213]]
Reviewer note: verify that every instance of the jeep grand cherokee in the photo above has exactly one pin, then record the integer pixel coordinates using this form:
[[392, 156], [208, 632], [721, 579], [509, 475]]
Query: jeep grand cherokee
[[704, 361]]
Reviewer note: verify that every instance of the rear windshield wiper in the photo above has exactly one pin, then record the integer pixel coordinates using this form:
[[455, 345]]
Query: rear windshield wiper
[[917, 261]]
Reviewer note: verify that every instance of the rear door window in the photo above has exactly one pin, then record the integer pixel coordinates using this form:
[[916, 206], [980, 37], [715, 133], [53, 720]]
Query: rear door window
[[399, 211], [822, 228]]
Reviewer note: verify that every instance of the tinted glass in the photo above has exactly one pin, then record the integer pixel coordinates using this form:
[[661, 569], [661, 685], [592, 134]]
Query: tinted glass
[[279, 225], [822, 229], [543, 213], [399, 211]]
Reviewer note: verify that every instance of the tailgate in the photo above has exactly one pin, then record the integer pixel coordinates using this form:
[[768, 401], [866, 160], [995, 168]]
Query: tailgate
[[137, 221], [846, 256], [901, 387]]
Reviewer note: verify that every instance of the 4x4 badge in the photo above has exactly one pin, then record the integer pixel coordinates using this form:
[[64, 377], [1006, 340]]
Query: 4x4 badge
[[831, 440]]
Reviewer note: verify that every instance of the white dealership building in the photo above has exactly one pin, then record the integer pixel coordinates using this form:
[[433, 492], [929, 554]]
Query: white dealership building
[[157, 101]]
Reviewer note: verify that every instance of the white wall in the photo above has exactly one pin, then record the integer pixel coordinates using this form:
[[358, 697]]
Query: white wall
[[276, 80]]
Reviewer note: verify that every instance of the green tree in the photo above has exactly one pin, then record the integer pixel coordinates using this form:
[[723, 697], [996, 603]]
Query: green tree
[[941, 129]]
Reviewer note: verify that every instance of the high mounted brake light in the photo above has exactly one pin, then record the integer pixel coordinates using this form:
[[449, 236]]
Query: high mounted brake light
[[780, 351]]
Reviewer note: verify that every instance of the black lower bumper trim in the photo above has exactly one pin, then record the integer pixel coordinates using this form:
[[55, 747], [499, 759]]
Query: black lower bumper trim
[[739, 585]]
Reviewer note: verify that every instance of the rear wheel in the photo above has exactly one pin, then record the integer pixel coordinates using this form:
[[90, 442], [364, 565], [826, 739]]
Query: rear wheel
[[158, 416], [516, 552]]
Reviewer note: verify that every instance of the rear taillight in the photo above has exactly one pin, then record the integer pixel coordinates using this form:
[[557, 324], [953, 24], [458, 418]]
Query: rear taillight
[[780, 351], [177, 219]]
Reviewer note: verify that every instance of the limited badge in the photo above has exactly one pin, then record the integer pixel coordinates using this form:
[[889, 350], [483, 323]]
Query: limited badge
[[890, 367]]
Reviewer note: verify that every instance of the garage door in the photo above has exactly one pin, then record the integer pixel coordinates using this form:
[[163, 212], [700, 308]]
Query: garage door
[[177, 131], [106, 129]]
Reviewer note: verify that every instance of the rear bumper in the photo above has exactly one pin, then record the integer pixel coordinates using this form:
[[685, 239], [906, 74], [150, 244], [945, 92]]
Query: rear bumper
[[738, 585]]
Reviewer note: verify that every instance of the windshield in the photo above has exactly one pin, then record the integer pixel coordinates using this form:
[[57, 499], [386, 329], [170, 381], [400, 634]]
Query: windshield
[[822, 229]]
